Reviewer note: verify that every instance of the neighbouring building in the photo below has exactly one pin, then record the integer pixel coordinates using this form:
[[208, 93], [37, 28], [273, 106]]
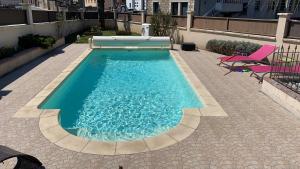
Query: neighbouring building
[[91, 5], [175, 7], [71, 5], [246, 8], [135, 5], [226, 8]]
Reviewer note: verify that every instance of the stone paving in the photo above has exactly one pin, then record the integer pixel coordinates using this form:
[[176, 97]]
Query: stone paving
[[258, 133]]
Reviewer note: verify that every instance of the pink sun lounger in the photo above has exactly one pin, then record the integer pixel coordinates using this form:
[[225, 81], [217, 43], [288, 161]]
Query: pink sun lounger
[[265, 69], [255, 57]]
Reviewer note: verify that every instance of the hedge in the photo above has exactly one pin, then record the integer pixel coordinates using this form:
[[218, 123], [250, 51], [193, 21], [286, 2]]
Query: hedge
[[30, 40], [7, 52], [231, 47]]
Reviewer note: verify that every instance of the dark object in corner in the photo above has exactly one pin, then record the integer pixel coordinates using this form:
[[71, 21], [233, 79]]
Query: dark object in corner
[[24, 161], [188, 46]]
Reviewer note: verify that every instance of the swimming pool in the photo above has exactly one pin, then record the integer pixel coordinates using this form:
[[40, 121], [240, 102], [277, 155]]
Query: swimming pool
[[118, 95]]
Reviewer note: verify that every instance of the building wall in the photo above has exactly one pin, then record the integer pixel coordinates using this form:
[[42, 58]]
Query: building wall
[[90, 3], [265, 10], [164, 5]]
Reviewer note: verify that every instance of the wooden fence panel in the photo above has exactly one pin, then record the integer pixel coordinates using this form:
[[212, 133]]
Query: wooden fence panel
[[210, 23], [123, 16], [181, 20], [91, 15], [294, 29], [73, 15], [253, 26], [136, 17], [12, 17], [39, 16]]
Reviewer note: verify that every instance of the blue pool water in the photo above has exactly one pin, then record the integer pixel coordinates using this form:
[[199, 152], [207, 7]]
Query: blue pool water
[[117, 95]]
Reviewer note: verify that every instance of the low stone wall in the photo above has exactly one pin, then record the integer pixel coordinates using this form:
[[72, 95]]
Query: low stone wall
[[10, 34], [282, 95], [9, 64], [201, 37]]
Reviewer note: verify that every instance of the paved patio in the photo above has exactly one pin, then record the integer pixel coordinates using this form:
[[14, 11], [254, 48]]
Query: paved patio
[[258, 133]]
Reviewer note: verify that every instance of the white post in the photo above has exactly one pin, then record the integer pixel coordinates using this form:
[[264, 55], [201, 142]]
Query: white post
[[179, 9], [189, 20], [28, 13], [90, 43], [282, 27], [64, 14]]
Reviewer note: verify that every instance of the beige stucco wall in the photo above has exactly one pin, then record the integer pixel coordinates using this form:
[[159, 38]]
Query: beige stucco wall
[[10, 34], [288, 102], [134, 27], [200, 38]]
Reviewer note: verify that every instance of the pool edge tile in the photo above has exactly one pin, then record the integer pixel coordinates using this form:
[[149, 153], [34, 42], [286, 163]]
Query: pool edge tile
[[180, 132], [54, 133], [100, 148], [131, 147], [159, 142], [72, 142], [190, 121], [191, 111]]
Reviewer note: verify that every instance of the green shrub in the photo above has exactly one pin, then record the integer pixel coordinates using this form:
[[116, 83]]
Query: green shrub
[[30, 40], [6, 52], [71, 38], [95, 31], [46, 41], [163, 24], [231, 47]]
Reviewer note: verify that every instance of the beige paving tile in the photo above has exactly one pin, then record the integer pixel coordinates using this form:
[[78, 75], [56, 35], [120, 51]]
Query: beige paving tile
[[28, 112], [44, 92], [191, 112], [190, 121], [54, 134], [35, 101], [210, 101], [72, 143], [130, 147], [180, 132], [48, 122], [99, 147], [158, 142]]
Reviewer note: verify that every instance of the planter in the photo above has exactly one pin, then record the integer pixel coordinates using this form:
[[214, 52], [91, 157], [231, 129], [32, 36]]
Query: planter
[[11, 63]]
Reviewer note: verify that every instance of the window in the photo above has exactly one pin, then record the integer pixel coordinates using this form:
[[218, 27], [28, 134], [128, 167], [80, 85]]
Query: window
[[257, 5], [174, 8], [184, 8], [155, 7]]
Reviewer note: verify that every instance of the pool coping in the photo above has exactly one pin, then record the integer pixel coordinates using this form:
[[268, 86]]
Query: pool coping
[[51, 129]]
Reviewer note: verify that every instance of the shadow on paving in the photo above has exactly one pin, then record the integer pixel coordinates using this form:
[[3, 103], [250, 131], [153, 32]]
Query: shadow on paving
[[20, 71]]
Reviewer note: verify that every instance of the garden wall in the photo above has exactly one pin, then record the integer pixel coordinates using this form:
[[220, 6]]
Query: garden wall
[[9, 64], [282, 95], [201, 37], [9, 34], [132, 26]]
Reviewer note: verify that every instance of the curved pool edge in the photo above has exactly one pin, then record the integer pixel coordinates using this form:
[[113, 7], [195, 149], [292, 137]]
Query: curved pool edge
[[51, 129]]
